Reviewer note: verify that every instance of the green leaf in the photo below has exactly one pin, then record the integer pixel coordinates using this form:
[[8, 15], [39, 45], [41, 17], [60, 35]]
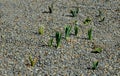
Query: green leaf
[[97, 50], [31, 61], [67, 31], [76, 30], [50, 42], [58, 38], [41, 30], [87, 20], [95, 64], [74, 12], [90, 34], [77, 10]]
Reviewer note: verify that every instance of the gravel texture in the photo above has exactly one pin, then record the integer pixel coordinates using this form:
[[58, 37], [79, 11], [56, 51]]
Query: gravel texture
[[19, 38]]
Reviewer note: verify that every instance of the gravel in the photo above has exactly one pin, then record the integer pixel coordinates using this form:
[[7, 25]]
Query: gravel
[[19, 38]]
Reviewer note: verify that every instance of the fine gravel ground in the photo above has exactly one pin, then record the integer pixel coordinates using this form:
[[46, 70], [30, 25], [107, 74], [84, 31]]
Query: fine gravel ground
[[19, 38]]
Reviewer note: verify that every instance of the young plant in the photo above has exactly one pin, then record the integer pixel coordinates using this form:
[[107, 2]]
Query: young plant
[[87, 20], [58, 36], [32, 61], [94, 65], [90, 34], [74, 12], [50, 42], [67, 31], [41, 30], [76, 30], [97, 50]]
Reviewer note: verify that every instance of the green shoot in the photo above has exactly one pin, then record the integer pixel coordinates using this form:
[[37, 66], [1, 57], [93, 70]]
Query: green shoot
[[67, 31], [74, 12], [77, 10], [95, 64], [32, 61], [76, 30], [97, 50], [50, 42], [58, 38], [90, 34], [87, 20], [41, 30]]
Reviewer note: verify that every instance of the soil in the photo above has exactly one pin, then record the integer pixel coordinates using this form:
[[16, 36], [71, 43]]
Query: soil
[[20, 39]]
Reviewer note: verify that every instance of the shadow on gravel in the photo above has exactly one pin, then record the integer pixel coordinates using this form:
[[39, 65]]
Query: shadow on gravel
[[52, 36], [84, 38], [45, 12], [95, 52], [36, 33], [44, 45], [90, 68], [72, 34], [68, 15]]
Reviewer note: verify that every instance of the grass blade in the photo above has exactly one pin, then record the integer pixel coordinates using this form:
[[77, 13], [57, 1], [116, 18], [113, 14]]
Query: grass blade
[[67, 31], [58, 38], [50, 42], [90, 34], [95, 64], [41, 30], [97, 50], [76, 30], [87, 20]]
